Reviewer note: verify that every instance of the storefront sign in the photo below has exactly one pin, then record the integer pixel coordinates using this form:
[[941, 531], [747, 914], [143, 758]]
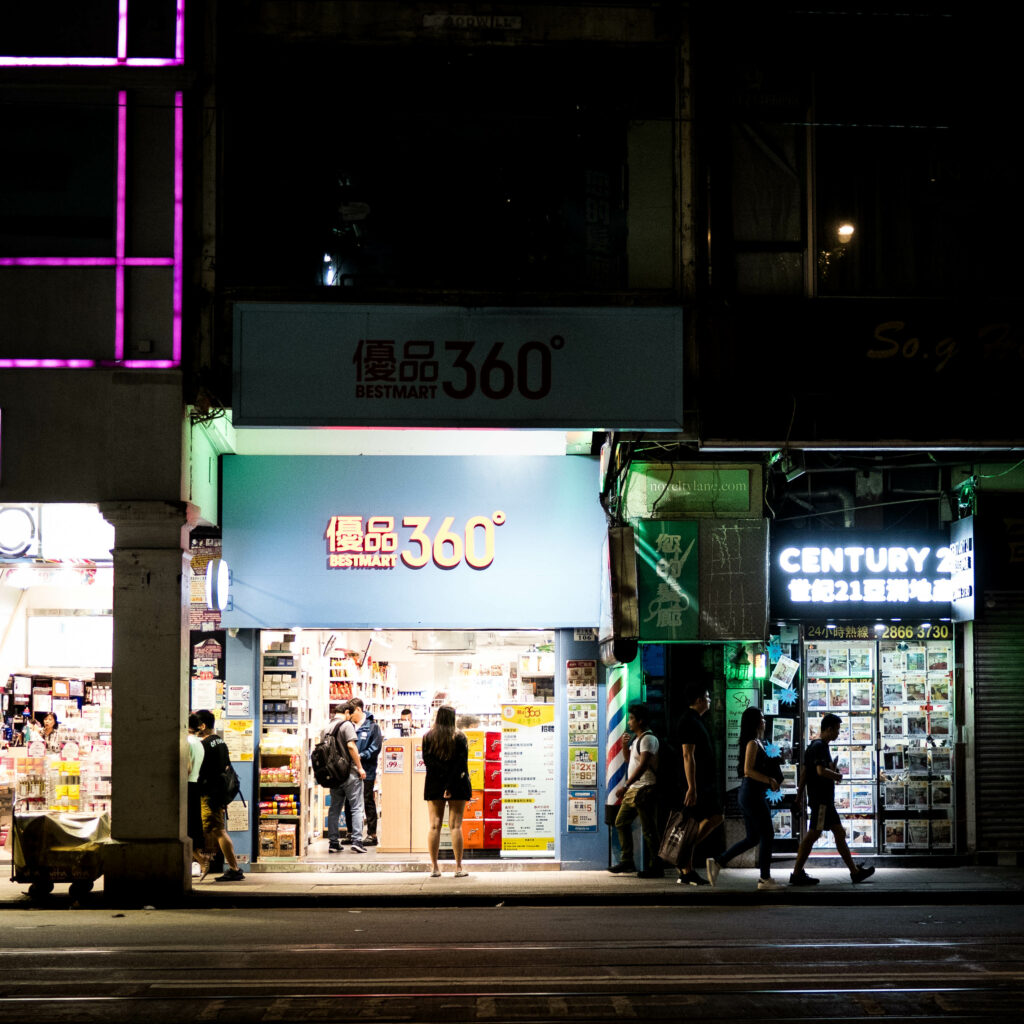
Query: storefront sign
[[349, 546], [961, 544], [850, 575], [527, 779], [365, 365], [412, 542], [667, 577], [655, 491]]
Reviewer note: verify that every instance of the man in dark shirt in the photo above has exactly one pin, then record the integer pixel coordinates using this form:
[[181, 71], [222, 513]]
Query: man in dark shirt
[[819, 778], [701, 800], [211, 797]]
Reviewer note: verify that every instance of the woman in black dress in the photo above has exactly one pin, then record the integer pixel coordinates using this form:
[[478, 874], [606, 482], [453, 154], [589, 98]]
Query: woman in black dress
[[446, 755]]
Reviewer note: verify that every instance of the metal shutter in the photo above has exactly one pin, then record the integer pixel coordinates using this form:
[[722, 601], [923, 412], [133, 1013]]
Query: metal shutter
[[999, 721]]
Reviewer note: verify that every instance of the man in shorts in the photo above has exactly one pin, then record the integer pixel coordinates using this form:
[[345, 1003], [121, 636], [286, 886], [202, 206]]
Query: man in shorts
[[819, 777], [701, 800], [215, 760]]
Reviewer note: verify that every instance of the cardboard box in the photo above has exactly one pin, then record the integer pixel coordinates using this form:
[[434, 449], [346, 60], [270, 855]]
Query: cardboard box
[[476, 774], [492, 746], [477, 743], [492, 804], [475, 806], [473, 834], [492, 835], [492, 775]]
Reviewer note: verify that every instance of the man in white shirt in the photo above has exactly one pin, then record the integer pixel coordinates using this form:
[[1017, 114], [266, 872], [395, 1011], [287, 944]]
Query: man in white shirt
[[639, 798]]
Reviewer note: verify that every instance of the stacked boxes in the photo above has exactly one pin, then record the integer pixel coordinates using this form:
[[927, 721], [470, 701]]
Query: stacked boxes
[[268, 839], [286, 839], [492, 790]]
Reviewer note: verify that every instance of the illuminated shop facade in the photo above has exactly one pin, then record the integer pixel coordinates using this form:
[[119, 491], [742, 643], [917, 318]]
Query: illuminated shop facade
[[873, 623]]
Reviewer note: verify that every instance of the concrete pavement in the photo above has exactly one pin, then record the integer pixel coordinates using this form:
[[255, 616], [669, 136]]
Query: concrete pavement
[[524, 885]]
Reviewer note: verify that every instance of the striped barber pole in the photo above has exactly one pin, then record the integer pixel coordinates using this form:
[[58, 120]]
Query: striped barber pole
[[615, 761]]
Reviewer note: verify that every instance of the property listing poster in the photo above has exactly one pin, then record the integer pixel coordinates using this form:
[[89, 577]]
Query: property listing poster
[[528, 779]]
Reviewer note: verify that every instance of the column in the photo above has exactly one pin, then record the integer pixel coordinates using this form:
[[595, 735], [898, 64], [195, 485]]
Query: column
[[151, 860]]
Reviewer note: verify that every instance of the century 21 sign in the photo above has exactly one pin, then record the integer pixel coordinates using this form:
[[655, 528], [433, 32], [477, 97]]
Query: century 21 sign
[[353, 543]]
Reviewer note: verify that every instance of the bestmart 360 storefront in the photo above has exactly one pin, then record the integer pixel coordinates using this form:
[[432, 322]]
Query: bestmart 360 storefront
[[411, 582]]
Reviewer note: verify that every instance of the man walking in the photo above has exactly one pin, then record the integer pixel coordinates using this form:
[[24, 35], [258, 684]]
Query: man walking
[[211, 794], [820, 776], [701, 800], [351, 790]]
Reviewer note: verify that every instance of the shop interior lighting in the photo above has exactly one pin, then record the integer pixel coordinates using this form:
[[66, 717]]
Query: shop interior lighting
[[119, 261]]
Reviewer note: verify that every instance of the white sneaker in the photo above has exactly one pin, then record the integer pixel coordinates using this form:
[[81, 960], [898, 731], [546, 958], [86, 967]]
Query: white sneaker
[[713, 868], [767, 883]]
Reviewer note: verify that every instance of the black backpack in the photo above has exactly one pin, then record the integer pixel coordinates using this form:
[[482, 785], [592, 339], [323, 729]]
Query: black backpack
[[330, 761]]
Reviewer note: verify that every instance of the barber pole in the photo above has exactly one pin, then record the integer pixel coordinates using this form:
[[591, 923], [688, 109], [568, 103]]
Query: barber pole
[[615, 760]]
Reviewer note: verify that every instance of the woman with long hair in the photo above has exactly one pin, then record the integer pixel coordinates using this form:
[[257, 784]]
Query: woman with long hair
[[759, 775], [446, 755]]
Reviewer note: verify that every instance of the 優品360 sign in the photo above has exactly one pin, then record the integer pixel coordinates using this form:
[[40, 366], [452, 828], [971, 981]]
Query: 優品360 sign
[[374, 542]]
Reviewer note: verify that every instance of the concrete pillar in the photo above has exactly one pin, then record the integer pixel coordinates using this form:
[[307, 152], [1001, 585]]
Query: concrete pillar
[[151, 860]]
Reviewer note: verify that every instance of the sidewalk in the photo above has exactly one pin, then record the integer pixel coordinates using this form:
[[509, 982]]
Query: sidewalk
[[890, 886]]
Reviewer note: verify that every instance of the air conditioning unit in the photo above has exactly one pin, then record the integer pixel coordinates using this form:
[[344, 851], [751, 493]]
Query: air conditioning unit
[[444, 642]]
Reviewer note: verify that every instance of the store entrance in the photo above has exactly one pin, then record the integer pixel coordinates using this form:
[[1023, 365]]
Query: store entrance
[[402, 677]]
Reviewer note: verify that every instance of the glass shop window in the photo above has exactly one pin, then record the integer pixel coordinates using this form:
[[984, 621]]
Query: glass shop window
[[58, 192], [495, 170]]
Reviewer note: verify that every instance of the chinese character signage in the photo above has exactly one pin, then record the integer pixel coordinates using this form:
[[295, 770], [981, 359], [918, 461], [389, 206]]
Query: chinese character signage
[[366, 365], [853, 575], [667, 579], [412, 542]]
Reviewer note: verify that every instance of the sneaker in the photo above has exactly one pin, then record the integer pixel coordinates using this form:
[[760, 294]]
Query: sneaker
[[655, 871], [861, 873], [802, 878], [230, 875], [357, 848], [626, 867], [713, 868], [764, 884], [370, 841], [334, 849], [691, 878]]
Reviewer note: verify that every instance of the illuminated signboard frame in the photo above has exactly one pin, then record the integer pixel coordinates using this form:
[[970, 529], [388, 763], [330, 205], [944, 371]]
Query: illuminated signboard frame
[[120, 261], [857, 575]]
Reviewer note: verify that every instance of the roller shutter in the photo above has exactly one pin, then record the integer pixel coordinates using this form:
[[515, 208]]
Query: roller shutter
[[999, 721]]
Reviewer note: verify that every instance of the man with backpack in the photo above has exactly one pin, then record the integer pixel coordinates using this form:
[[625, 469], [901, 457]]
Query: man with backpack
[[212, 796], [639, 798], [350, 788]]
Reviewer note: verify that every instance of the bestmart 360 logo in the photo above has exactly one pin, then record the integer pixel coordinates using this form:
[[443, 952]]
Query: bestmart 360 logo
[[375, 543]]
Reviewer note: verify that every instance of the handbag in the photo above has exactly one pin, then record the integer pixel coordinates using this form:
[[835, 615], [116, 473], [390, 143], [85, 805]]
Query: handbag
[[678, 839]]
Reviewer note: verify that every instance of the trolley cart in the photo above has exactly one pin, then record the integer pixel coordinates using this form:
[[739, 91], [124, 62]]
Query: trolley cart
[[51, 848]]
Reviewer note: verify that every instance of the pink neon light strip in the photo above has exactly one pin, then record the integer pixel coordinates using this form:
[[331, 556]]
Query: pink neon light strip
[[122, 31], [179, 219], [85, 261], [120, 260], [121, 59], [121, 216]]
